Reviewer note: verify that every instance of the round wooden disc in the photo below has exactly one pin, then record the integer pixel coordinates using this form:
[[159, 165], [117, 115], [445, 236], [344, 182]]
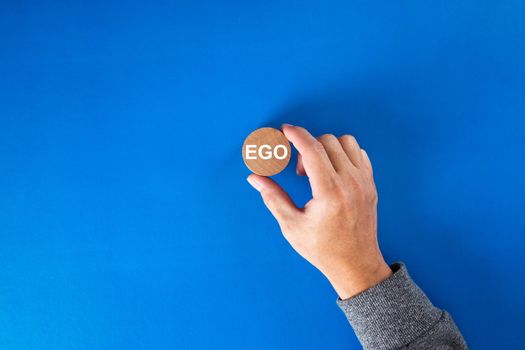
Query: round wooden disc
[[266, 151]]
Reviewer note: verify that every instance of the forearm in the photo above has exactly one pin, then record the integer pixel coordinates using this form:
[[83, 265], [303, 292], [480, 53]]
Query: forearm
[[396, 314]]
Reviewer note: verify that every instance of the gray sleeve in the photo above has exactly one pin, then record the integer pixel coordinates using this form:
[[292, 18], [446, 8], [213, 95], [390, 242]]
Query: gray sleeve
[[396, 314]]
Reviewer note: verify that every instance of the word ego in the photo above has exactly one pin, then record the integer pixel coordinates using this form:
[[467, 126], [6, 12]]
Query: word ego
[[265, 152]]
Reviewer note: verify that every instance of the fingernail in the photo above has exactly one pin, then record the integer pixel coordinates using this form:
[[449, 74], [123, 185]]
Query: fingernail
[[255, 184], [285, 124]]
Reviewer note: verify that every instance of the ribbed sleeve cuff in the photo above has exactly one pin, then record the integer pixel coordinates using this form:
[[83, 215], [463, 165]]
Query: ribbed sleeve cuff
[[391, 314]]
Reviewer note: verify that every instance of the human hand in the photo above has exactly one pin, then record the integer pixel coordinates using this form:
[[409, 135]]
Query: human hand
[[336, 231]]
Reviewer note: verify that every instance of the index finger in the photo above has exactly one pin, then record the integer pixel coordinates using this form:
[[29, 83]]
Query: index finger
[[316, 163]]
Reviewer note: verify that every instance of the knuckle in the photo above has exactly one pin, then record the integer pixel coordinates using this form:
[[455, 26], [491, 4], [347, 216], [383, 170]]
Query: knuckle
[[317, 147], [327, 138], [349, 139], [301, 129]]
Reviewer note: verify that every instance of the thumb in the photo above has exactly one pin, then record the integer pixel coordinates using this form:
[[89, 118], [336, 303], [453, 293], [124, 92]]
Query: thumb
[[275, 198]]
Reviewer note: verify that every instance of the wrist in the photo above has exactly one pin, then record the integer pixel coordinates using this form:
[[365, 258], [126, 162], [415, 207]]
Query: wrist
[[349, 282]]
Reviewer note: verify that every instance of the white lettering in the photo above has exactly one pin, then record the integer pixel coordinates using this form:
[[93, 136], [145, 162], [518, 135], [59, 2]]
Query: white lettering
[[265, 152], [285, 152], [250, 149]]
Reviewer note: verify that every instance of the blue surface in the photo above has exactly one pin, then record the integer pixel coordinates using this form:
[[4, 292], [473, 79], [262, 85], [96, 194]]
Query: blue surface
[[125, 218]]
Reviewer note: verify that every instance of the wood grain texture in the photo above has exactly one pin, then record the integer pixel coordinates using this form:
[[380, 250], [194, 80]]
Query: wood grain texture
[[268, 138]]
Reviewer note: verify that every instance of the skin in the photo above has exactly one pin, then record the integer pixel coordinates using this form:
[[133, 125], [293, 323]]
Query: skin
[[336, 231]]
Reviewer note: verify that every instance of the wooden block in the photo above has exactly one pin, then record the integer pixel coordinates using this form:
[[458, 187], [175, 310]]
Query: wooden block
[[266, 151]]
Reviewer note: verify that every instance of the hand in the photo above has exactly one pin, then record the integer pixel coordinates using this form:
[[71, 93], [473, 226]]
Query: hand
[[336, 231]]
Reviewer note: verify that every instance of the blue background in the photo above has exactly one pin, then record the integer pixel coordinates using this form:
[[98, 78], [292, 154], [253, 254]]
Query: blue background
[[125, 218]]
